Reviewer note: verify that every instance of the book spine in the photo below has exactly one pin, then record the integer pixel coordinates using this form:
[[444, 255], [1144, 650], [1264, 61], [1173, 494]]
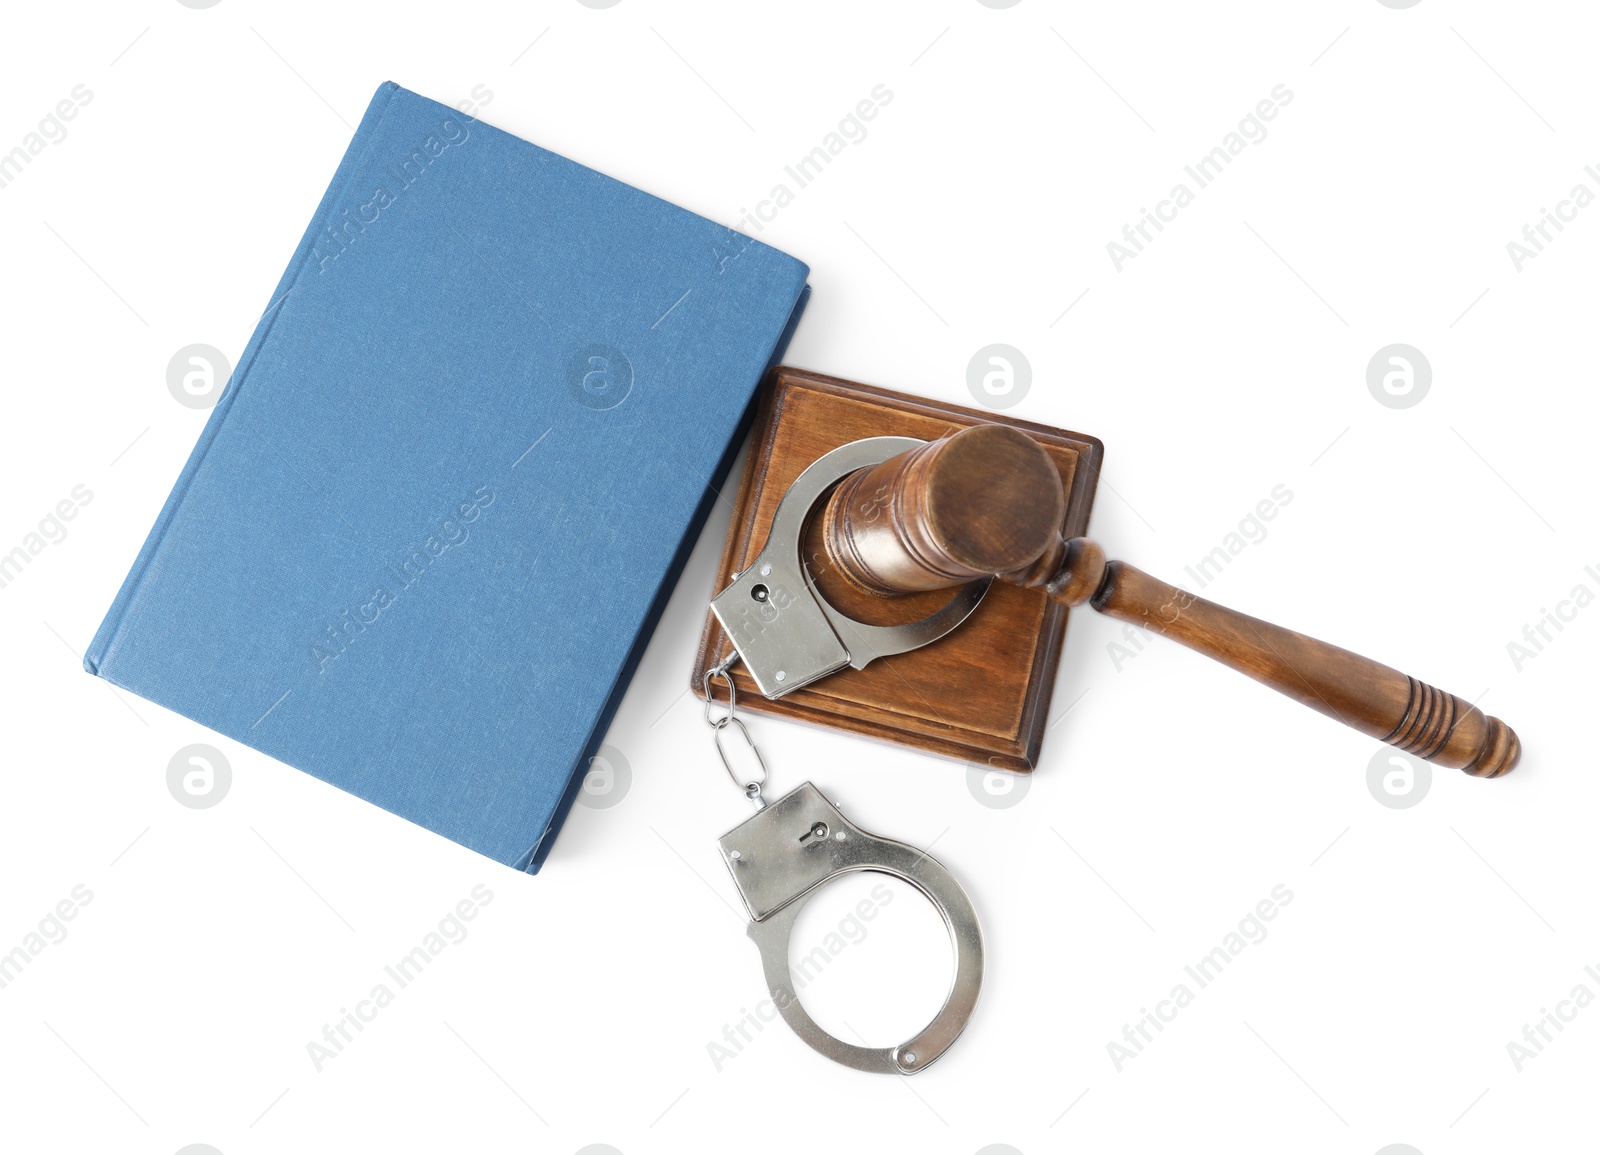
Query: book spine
[[105, 638]]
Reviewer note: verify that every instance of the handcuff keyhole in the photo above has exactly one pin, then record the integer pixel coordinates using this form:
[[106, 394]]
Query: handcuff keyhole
[[759, 592], [819, 831]]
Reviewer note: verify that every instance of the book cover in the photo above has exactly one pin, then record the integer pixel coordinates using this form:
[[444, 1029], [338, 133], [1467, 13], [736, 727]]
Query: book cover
[[428, 528]]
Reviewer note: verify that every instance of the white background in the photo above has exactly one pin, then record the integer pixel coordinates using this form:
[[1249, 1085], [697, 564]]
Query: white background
[[1228, 358]]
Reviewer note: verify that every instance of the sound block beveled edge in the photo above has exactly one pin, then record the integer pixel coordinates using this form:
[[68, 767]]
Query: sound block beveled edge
[[1030, 671]]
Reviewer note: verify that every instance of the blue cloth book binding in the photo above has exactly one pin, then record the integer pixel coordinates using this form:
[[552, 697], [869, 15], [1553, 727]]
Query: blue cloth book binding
[[426, 533]]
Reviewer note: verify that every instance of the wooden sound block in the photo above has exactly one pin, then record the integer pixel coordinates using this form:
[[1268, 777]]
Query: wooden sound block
[[982, 693]]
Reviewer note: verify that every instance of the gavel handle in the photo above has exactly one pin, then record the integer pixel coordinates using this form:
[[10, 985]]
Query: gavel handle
[[1365, 695]]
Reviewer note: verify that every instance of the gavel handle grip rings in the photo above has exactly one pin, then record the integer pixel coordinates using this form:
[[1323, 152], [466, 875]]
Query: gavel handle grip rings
[[988, 500]]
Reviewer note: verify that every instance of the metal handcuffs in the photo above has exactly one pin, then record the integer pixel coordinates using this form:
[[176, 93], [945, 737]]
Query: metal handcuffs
[[788, 635], [782, 627]]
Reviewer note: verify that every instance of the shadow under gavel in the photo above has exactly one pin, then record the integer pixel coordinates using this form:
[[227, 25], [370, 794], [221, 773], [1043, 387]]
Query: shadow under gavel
[[988, 501]]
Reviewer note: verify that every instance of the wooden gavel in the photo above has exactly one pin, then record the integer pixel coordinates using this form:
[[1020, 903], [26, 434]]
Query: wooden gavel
[[988, 501]]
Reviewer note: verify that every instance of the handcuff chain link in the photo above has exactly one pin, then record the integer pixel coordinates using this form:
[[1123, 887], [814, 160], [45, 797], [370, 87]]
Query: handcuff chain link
[[752, 789]]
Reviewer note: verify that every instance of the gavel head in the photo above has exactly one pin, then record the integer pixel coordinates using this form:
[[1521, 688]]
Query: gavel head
[[987, 500]]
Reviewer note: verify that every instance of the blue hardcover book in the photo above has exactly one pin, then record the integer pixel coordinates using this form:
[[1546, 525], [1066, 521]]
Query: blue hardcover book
[[425, 535]]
